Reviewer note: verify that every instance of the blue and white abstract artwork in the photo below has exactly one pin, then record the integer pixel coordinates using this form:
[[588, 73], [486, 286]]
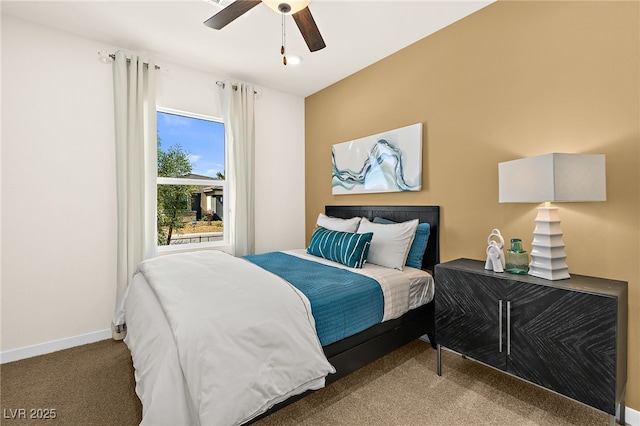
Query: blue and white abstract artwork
[[387, 162]]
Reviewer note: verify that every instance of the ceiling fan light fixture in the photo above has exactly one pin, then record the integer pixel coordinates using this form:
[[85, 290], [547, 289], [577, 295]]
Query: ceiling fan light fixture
[[288, 7], [297, 8], [294, 59]]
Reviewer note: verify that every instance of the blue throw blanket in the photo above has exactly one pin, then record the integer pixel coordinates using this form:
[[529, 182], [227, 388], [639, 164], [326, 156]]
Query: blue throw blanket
[[343, 302]]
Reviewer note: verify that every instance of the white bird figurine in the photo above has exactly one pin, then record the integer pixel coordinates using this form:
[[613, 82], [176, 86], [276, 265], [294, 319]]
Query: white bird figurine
[[495, 253]]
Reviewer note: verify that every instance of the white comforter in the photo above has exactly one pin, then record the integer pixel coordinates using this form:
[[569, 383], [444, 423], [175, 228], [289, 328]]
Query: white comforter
[[224, 365]]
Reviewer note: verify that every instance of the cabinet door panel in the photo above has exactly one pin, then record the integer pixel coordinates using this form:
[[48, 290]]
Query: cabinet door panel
[[467, 315], [564, 341]]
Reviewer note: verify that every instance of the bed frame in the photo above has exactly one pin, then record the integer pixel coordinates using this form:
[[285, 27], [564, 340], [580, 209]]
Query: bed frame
[[356, 351]]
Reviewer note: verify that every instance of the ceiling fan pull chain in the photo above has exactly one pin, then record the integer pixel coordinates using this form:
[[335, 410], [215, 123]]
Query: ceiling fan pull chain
[[284, 41]]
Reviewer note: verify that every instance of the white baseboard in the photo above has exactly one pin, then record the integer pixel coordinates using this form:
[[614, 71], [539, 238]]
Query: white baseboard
[[632, 417], [53, 346]]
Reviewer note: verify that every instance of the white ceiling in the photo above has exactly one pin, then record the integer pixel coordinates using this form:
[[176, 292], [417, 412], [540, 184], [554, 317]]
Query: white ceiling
[[357, 33]]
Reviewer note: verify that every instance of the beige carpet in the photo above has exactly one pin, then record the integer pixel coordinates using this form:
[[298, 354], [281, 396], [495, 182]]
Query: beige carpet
[[404, 389], [87, 385], [94, 385]]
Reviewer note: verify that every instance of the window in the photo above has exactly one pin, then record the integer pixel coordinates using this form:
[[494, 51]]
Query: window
[[191, 183]]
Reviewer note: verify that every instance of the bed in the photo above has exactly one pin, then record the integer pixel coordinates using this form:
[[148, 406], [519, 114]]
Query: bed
[[167, 337], [356, 351]]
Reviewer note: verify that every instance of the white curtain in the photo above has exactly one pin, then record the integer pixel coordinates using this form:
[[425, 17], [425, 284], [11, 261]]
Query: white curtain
[[238, 115], [134, 89]]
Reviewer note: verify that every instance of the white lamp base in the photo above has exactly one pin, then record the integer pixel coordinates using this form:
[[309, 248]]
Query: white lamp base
[[548, 259]]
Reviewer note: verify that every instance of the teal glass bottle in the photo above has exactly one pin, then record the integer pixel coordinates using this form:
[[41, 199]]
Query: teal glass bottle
[[516, 259]]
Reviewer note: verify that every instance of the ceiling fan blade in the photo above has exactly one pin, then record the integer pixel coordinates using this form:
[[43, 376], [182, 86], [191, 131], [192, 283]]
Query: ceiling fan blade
[[230, 13], [309, 29]]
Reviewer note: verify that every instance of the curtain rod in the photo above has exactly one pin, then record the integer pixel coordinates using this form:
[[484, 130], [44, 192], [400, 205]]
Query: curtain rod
[[113, 56], [234, 87]]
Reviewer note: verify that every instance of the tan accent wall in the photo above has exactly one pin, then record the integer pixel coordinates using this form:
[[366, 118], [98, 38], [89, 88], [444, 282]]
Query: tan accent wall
[[515, 79]]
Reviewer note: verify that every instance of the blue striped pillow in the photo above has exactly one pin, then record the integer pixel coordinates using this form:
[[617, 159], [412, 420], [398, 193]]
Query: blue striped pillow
[[343, 247]]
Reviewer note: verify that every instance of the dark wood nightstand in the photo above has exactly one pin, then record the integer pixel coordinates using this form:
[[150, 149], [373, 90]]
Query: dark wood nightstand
[[569, 336]]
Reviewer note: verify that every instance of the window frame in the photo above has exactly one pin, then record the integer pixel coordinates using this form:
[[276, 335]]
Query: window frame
[[198, 182]]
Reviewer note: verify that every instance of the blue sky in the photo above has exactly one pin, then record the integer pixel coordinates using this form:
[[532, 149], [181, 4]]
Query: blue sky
[[203, 140]]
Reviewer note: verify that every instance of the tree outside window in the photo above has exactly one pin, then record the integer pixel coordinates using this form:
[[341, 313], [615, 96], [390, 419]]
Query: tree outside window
[[190, 179]]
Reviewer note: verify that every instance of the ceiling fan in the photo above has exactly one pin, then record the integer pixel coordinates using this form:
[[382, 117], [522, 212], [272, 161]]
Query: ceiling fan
[[298, 8]]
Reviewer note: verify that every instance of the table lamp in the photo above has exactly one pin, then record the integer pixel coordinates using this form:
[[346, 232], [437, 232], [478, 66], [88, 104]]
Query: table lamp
[[551, 178]]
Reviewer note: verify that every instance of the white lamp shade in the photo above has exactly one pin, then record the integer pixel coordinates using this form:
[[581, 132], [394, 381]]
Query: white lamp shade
[[553, 177]]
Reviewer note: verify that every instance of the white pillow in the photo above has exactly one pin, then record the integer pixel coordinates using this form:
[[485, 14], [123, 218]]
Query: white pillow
[[336, 224], [390, 243]]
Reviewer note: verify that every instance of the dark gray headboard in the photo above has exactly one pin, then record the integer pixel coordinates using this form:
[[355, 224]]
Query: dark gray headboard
[[429, 214]]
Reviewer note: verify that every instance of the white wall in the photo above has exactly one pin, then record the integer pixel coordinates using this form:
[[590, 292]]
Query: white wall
[[58, 178]]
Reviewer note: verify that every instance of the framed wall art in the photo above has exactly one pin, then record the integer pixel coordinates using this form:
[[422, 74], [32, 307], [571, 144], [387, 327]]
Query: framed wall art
[[386, 162]]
